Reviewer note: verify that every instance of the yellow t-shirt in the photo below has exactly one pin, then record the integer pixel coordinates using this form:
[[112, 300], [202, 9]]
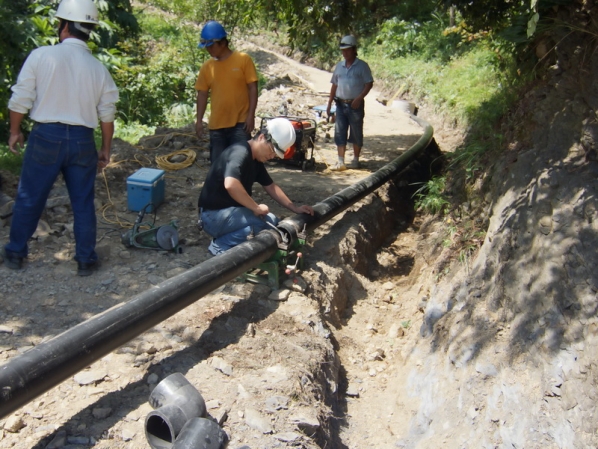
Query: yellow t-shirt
[[227, 83]]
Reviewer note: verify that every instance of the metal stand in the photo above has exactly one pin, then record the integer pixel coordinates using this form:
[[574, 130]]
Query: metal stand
[[270, 272]]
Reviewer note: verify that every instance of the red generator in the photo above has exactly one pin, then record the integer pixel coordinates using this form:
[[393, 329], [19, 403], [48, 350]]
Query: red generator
[[301, 153]]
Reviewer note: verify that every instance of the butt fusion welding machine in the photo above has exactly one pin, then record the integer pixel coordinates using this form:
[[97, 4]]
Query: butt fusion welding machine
[[146, 235], [287, 259]]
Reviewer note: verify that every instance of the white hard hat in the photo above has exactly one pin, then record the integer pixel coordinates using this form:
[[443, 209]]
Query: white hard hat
[[281, 134], [348, 42], [82, 11]]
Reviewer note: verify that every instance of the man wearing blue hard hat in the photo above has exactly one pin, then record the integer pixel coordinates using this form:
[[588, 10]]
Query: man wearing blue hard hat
[[230, 79]]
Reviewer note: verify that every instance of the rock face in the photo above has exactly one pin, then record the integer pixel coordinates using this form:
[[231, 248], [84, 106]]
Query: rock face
[[504, 354]]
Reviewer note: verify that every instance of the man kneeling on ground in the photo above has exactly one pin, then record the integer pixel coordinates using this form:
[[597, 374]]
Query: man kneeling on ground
[[227, 211]]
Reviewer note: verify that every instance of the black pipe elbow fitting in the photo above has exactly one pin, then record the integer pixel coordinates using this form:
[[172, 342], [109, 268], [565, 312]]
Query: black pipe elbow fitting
[[201, 433], [175, 401]]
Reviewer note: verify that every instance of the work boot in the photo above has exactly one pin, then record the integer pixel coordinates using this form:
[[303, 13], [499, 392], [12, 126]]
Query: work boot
[[11, 261], [87, 268], [354, 164], [338, 167]]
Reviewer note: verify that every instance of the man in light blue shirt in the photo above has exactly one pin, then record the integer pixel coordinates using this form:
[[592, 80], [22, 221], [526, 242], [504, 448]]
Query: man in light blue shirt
[[351, 81]]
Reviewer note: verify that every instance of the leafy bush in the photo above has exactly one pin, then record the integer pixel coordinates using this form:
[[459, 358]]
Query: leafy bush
[[157, 77], [132, 133], [429, 197], [431, 39], [10, 161]]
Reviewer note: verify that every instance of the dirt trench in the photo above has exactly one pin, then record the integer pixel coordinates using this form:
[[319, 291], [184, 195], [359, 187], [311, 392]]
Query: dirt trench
[[376, 254]]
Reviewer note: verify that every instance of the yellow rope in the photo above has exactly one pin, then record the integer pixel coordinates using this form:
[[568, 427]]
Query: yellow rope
[[164, 162], [110, 204]]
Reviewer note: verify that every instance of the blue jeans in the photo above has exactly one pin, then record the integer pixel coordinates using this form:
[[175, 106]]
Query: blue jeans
[[221, 139], [348, 119], [54, 148], [231, 226]]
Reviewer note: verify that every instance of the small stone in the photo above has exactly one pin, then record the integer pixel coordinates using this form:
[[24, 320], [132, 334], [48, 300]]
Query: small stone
[[377, 355], [220, 416], [58, 441], [5, 329], [125, 255], [89, 377], [256, 421], [14, 424], [152, 379], [275, 403], [243, 393], [279, 295], [487, 369], [175, 271], [222, 365], [306, 421], [545, 224], [127, 434], [287, 437], [214, 403], [101, 412], [472, 413], [352, 391], [393, 332]]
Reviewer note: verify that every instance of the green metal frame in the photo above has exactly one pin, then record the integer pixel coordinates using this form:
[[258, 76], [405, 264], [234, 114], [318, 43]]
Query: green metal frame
[[270, 272]]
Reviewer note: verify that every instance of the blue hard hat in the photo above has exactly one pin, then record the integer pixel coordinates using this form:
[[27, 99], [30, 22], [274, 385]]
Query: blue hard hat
[[211, 32]]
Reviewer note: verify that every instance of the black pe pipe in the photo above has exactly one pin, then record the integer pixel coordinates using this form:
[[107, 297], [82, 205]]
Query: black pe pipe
[[337, 203], [28, 375]]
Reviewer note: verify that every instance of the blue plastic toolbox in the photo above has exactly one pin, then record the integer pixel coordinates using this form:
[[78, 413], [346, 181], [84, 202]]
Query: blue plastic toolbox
[[144, 187]]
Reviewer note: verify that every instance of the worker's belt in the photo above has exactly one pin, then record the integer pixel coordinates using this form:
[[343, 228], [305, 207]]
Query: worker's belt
[[340, 100]]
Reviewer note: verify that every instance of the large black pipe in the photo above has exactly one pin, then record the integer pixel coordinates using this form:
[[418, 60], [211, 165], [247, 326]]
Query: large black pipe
[[34, 372], [337, 203]]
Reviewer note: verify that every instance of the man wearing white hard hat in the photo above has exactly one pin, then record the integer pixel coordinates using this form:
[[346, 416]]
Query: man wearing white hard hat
[[66, 92], [351, 81], [227, 211]]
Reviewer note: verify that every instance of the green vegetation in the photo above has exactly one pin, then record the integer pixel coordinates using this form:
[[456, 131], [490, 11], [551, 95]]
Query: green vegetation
[[10, 161], [429, 197], [158, 72]]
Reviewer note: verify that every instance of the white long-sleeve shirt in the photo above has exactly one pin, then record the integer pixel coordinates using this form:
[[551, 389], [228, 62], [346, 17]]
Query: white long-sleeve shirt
[[65, 83]]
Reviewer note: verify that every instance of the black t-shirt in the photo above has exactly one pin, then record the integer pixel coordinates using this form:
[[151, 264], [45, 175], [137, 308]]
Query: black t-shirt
[[234, 162]]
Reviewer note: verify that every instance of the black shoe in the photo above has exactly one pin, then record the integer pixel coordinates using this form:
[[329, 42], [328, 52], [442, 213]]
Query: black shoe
[[12, 262], [87, 268]]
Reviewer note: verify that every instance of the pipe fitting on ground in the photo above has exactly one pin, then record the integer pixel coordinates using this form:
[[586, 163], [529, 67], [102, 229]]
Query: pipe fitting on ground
[[175, 402], [201, 433]]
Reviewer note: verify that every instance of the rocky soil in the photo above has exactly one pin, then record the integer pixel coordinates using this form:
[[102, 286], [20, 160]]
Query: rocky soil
[[394, 342]]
